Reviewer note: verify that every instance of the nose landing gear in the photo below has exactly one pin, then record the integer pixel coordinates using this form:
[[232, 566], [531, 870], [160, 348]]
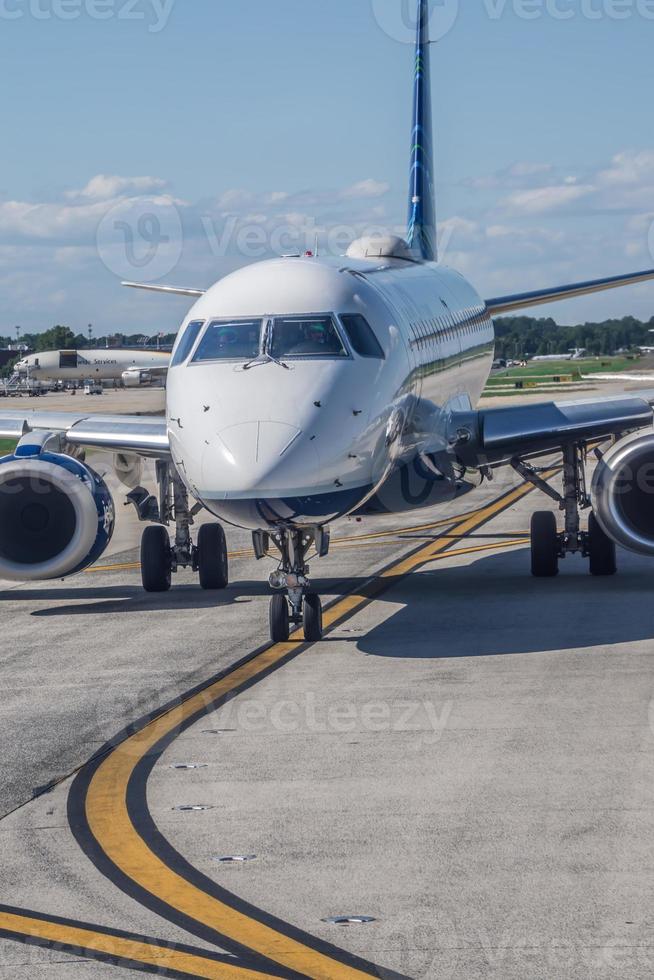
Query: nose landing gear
[[293, 602]]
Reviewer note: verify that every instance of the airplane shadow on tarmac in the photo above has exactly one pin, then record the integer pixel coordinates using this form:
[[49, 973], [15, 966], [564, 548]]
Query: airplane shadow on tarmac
[[132, 599], [117, 599], [494, 607], [490, 607]]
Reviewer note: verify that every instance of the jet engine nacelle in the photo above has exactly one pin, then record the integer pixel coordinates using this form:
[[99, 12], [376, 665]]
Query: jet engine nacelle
[[56, 515], [136, 379], [623, 493]]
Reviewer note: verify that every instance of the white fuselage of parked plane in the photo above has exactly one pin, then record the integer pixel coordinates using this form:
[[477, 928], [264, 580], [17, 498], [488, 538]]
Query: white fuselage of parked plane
[[98, 365], [262, 444]]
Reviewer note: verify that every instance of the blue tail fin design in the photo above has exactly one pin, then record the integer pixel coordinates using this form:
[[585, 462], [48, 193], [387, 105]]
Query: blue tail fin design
[[422, 205]]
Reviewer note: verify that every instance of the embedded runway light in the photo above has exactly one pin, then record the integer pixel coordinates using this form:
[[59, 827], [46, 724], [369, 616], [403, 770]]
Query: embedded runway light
[[189, 765], [349, 920], [235, 858], [194, 809]]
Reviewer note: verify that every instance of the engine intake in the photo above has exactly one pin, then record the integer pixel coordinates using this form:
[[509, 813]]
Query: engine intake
[[623, 493], [56, 515]]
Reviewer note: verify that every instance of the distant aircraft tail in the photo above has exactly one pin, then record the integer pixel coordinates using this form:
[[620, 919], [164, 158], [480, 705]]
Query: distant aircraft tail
[[422, 233]]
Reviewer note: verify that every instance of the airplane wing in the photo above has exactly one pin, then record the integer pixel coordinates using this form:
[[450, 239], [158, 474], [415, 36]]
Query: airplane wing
[[170, 290], [495, 436], [115, 433], [523, 301]]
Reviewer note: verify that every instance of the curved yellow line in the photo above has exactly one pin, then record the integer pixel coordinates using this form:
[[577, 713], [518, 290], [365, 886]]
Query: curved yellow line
[[111, 825], [90, 941]]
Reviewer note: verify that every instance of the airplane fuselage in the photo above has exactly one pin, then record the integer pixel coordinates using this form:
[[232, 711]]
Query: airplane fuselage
[[308, 437], [99, 365]]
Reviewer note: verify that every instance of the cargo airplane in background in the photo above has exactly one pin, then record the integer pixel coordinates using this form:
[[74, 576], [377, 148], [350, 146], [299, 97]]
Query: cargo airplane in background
[[132, 368], [302, 390]]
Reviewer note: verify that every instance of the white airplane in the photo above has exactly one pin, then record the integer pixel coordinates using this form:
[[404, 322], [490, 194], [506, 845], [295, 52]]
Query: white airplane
[[302, 390], [132, 367]]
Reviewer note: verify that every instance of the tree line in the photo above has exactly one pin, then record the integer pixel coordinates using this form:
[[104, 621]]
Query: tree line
[[524, 336], [516, 337], [63, 338]]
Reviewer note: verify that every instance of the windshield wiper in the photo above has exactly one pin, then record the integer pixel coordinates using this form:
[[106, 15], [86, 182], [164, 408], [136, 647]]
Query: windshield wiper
[[265, 357], [275, 360]]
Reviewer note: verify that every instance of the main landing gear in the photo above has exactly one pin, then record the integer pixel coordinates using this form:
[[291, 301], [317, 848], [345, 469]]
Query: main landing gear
[[160, 558], [293, 602], [548, 544]]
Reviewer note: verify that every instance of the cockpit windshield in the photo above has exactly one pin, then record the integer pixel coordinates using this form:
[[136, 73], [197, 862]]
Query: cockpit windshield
[[270, 338], [305, 336], [230, 340]]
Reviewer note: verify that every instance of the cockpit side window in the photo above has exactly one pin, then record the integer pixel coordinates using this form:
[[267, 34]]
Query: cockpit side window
[[305, 336], [361, 336], [187, 342], [230, 340]]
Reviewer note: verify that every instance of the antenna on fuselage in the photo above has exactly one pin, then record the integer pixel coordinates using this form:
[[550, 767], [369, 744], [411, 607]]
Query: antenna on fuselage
[[422, 231]]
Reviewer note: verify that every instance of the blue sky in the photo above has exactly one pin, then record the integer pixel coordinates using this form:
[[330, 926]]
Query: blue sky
[[205, 133]]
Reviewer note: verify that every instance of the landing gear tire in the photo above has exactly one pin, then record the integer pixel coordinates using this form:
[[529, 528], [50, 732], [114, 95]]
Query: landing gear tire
[[280, 627], [156, 563], [601, 550], [544, 545], [312, 617], [212, 558]]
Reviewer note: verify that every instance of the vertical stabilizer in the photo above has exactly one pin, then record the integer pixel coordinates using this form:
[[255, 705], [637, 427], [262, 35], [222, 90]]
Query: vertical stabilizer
[[422, 205]]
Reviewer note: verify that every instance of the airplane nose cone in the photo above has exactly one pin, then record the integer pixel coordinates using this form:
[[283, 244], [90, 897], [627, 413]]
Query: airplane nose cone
[[259, 456]]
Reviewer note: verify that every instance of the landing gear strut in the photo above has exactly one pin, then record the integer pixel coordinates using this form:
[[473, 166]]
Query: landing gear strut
[[293, 603], [160, 558], [548, 545]]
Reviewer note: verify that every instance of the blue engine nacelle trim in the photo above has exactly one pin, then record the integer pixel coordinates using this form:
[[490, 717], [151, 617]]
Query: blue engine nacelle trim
[[56, 515]]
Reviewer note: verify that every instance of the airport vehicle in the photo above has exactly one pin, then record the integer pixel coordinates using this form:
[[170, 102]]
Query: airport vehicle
[[132, 367], [93, 388], [301, 390]]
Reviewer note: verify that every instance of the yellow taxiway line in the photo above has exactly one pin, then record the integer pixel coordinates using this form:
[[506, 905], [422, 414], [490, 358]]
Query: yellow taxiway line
[[117, 834], [347, 542], [113, 829], [120, 950]]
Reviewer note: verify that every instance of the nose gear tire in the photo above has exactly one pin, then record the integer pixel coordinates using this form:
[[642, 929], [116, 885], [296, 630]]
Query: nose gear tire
[[312, 617], [212, 558], [279, 618]]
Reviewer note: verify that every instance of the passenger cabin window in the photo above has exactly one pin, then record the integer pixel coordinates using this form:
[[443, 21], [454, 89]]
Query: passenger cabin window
[[302, 336], [230, 340], [187, 342], [361, 336]]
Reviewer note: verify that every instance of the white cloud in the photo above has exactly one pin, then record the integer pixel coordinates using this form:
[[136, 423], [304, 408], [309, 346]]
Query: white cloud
[[236, 198], [105, 188], [629, 168], [543, 199], [520, 174], [365, 189]]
